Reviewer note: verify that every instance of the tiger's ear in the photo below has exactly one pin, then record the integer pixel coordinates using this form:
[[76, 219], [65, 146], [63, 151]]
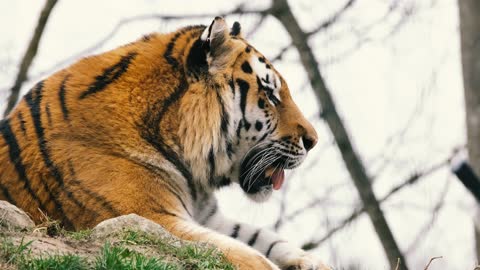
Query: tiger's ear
[[215, 36], [236, 30]]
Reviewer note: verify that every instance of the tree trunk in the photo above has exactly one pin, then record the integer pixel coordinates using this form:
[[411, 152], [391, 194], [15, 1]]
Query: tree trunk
[[470, 48], [362, 181]]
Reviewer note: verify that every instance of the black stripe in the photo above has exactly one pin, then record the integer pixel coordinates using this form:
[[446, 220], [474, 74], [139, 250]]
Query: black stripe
[[15, 157], [147, 38], [244, 86], [22, 123], [49, 115], [33, 99], [268, 91], [274, 128], [246, 67], [210, 214], [211, 162], [109, 75], [232, 86], [150, 126], [7, 194], [230, 150], [58, 205], [163, 211], [224, 115], [261, 103], [97, 197], [150, 132], [168, 213], [224, 181], [235, 231], [170, 188], [269, 250], [169, 51], [61, 95], [253, 239], [239, 127]]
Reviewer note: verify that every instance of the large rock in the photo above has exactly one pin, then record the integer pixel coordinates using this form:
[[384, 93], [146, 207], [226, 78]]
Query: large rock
[[119, 224], [11, 217]]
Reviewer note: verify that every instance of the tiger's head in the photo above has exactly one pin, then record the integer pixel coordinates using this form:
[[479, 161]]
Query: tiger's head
[[258, 129]]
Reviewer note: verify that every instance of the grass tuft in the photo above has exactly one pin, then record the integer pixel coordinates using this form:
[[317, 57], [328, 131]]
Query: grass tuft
[[55, 262], [121, 258], [78, 235], [11, 254]]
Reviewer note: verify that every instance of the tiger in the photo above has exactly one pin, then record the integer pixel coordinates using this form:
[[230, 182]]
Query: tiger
[[155, 127]]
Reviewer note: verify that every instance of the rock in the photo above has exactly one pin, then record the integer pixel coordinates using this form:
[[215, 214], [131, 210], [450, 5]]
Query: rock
[[11, 217], [116, 225]]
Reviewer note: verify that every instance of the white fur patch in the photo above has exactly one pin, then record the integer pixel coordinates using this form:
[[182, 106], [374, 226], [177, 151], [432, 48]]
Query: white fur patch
[[204, 35]]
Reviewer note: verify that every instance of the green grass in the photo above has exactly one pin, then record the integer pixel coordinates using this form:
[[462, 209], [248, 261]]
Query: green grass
[[121, 258], [11, 253], [54, 262], [187, 255], [124, 255], [78, 235]]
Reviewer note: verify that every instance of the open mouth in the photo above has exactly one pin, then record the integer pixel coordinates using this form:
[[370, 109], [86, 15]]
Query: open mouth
[[276, 175], [260, 172]]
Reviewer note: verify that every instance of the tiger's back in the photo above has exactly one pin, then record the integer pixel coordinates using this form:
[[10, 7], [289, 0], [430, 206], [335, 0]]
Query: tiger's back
[[88, 114]]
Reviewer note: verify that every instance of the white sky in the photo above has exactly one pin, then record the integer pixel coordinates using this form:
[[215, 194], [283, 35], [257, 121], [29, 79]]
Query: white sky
[[407, 82]]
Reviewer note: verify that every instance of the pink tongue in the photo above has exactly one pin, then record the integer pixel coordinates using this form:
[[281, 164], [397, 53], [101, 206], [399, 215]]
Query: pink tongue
[[278, 177]]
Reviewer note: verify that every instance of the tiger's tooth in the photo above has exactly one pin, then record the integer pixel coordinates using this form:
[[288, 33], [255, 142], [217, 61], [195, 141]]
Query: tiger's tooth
[[269, 172]]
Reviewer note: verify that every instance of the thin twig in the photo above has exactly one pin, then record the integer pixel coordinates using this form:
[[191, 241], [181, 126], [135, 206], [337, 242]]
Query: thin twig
[[333, 19], [398, 264], [321, 27], [29, 55], [431, 260], [426, 228]]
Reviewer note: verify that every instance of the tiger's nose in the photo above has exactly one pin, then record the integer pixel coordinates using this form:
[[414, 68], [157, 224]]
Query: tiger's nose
[[309, 135], [309, 142]]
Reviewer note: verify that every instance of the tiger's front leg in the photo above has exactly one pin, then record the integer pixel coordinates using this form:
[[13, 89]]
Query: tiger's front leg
[[271, 245], [240, 255]]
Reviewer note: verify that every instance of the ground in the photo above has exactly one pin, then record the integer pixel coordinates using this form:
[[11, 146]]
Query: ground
[[127, 242]]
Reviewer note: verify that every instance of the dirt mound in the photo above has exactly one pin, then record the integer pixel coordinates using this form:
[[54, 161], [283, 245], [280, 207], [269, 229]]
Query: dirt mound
[[125, 242]]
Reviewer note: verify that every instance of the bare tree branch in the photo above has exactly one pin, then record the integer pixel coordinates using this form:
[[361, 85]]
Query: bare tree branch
[[29, 55], [321, 27], [301, 210], [356, 213], [431, 260], [423, 232], [355, 167], [257, 26], [333, 19]]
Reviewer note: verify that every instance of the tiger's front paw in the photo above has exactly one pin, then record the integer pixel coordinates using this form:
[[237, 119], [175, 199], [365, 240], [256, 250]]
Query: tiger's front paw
[[305, 262], [250, 260]]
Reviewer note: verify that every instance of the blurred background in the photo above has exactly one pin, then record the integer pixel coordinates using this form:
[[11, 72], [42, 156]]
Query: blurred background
[[381, 80]]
